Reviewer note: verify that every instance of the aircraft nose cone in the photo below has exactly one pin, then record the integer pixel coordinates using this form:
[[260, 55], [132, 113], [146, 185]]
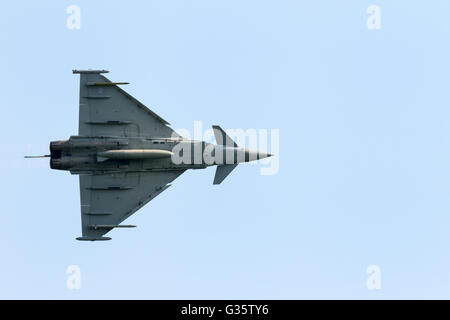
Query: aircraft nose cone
[[262, 155], [253, 155]]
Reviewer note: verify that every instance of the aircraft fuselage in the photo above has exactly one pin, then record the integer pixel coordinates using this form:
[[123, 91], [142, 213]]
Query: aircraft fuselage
[[81, 155]]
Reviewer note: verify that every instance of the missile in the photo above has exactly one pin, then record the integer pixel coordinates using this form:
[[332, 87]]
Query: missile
[[133, 154]]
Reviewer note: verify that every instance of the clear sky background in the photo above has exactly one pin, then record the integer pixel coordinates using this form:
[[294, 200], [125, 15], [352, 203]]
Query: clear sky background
[[364, 176]]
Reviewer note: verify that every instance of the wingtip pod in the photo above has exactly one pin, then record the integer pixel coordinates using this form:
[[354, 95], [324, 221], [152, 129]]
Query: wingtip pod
[[93, 238], [89, 71]]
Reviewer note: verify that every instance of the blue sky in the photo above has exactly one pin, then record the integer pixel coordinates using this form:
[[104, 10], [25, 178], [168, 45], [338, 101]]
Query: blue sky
[[364, 122]]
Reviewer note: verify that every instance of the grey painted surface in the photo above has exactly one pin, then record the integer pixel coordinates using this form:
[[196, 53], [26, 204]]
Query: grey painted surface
[[126, 154]]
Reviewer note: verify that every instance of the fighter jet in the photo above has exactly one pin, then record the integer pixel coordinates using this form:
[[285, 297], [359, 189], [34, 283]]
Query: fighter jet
[[126, 155]]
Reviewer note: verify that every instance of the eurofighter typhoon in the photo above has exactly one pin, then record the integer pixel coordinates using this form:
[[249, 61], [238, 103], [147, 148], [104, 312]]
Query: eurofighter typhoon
[[126, 155]]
